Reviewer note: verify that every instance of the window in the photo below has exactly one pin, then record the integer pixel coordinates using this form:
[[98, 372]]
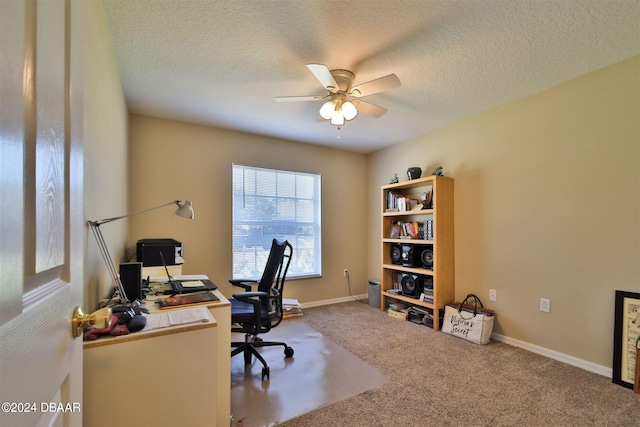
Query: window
[[275, 204]]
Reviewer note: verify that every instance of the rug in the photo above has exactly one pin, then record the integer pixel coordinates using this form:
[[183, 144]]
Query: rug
[[319, 373]]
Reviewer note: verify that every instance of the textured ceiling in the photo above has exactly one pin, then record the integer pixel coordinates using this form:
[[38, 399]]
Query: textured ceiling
[[222, 62]]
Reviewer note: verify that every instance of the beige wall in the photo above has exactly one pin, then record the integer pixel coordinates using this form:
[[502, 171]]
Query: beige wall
[[173, 160], [546, 206], [105, 151]]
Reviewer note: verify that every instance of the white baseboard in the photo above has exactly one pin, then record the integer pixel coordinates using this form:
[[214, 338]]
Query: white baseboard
[[561, 357], [334, 301]]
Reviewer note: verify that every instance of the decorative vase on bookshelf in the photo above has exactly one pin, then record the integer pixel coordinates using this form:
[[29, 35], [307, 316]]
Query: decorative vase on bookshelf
[[414, 173]]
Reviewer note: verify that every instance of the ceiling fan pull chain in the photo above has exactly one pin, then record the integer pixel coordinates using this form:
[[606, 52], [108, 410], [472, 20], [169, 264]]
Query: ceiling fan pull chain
[[338, 136]]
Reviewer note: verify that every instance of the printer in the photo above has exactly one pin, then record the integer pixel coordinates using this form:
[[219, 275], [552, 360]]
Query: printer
[[148, 252]]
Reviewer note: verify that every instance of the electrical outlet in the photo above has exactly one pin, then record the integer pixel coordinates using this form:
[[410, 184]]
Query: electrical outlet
[[493, 295], [545, 305], [345, 273]]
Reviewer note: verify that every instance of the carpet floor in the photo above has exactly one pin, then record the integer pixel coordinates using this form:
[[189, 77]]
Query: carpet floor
[[320, 373], [439, 380]]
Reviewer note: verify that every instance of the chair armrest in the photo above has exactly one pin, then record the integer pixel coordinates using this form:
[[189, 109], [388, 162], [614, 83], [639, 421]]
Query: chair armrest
[[247, 296], [252, 298], [243, 283]]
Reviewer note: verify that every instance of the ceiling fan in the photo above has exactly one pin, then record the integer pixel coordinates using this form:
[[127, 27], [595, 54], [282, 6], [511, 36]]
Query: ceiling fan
[[343, 99]]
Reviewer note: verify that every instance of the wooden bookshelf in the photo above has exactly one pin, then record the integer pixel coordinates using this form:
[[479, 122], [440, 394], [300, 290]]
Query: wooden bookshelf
[[415, 248]]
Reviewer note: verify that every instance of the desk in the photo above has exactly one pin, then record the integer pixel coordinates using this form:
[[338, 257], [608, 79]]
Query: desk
[[179, 375]]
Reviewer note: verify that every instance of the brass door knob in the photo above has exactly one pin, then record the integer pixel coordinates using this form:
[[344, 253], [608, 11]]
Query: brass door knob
[[100, 319]]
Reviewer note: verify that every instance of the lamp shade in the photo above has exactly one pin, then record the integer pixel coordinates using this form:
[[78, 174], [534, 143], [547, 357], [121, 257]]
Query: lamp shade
[[349, 110], [337, 118], [327, 109], [185, 209]]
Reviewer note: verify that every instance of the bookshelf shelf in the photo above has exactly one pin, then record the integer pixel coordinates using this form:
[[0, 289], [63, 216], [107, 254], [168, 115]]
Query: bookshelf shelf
[[412, 213], [408, 241]]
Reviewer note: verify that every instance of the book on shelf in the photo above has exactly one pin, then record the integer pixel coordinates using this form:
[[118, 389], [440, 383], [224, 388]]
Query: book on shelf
[[392, 201], [399, 306], [404, 230], [411, 229], [427, 229], [427, 298], [397, 202], [402, 204], [195, 298], [420, 310], [396, 278]]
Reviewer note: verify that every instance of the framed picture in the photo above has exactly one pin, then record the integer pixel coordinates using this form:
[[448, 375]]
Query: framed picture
[[625, 337], [394, 232]]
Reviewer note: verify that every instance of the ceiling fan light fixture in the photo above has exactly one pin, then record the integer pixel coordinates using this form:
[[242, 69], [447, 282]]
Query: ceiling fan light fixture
[[337, 118], [349, 110], [327, 110], [342, 102]]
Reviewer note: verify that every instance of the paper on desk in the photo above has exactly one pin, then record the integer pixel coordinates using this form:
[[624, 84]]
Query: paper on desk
[[192, 284], [192, 277], [157, 321], [177, 317], [189, 315], [181, 277]]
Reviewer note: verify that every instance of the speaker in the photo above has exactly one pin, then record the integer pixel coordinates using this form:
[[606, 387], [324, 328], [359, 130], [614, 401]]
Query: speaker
[[426, 257], [396, 254], [412, 285], [131, 278], [411, 255]]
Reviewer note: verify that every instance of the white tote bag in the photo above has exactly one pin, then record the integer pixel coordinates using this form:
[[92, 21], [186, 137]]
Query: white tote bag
[[471, 322]]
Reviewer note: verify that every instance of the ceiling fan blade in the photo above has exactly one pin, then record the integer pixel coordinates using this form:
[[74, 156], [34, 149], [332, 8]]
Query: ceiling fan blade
[[300, 98], [368, 108], [322, 73], [388, 82]]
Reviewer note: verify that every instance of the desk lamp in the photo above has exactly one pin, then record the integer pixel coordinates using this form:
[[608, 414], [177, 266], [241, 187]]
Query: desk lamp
[[184, 210]]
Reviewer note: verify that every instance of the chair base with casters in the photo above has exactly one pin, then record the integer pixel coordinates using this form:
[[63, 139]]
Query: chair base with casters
[[256, 312], [250, 347]]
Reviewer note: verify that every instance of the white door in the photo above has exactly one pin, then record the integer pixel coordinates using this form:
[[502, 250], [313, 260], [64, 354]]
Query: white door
[[41, 217]]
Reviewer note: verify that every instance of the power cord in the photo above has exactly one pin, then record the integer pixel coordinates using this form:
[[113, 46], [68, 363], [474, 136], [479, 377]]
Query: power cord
[[360, 300]]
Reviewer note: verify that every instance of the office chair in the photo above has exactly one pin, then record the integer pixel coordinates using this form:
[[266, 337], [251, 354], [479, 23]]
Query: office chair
[[256, 312]]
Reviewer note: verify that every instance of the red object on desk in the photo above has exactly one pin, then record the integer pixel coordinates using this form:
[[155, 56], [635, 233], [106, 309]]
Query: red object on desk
[[186, 299]]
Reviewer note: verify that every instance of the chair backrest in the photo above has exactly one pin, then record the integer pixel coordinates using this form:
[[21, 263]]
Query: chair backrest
[[273, 278]]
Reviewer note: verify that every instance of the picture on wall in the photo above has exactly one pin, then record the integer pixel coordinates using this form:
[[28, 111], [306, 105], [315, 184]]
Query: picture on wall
[[626, 337]]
